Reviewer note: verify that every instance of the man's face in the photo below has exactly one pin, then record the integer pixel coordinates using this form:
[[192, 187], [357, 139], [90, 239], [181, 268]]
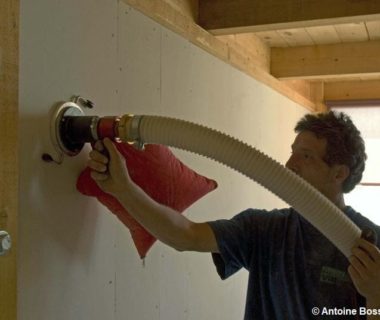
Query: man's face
[[306, 160]]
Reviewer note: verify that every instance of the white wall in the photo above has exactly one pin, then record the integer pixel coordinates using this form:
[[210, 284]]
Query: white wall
[[76, 261], [364, 198]]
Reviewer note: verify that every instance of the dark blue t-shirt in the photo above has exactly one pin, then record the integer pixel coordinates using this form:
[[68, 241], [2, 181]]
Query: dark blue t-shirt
[[292, 266]]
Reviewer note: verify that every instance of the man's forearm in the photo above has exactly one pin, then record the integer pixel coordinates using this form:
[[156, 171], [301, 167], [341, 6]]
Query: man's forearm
[[162, 222]]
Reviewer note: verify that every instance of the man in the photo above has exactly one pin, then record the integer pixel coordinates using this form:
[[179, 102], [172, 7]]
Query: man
[[293, 269]]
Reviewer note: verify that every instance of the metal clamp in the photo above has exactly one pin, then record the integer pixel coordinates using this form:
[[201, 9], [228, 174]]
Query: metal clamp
[[129, 130]]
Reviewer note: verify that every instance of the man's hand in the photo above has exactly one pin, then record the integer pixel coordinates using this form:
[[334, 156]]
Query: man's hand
[[108, 168], [364, 271]]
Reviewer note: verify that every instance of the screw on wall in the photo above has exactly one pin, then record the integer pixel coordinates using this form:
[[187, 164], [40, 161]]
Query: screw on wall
[[5, 242], [48, 158]]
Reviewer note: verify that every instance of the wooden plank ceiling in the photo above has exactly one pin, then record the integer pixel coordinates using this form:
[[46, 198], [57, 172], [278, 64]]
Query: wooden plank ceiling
[[308, 50], [333, 43]]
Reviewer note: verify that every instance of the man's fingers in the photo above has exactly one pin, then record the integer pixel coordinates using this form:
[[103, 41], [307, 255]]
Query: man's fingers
[[99, 176], [97, 156], [110, 147], [358, 266], [363, 256], [97, 166], [99, 145], [372, 250], [353, 273]]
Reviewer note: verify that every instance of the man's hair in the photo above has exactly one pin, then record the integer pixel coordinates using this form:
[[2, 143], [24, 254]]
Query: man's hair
[[344, 142]]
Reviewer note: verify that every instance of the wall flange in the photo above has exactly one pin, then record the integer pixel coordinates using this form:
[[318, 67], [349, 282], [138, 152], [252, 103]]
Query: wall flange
[[57, 123], [70, 128]]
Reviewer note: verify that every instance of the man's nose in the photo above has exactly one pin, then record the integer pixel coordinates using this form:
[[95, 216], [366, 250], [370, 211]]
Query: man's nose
[[292, 164]]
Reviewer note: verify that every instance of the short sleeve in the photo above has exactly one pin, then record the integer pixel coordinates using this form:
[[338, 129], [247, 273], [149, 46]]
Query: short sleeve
[[246, 238], [235, 245]]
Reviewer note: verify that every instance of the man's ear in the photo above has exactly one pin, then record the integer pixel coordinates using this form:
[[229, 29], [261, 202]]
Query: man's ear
[[341, 172]]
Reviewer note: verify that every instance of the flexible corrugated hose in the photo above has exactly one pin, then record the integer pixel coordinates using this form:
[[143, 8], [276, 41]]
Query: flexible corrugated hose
[[284, 183]]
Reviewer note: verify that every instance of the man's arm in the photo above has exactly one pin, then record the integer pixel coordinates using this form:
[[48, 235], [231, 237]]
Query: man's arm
[[364, 271], [162, 222]]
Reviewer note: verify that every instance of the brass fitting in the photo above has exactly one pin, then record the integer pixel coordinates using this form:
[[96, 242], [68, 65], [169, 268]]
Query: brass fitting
[[128, 130]]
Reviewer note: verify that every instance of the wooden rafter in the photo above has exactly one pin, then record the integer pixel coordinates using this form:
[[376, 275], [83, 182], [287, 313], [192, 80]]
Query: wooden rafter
[[352, 90], [231, 17], [359, 59]]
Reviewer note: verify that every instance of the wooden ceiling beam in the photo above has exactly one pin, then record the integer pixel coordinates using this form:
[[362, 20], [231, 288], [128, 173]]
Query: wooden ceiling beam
[[352, 90], [358, 59], [238, 16]]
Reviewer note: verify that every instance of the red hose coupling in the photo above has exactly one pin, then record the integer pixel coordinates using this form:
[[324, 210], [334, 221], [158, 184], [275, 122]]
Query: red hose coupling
[[107, 128]]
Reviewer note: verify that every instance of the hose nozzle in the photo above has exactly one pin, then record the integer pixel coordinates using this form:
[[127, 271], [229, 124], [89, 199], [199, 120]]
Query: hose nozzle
[[71, 128]]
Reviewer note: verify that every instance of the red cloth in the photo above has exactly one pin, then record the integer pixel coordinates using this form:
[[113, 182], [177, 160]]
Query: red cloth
[[162, 176]]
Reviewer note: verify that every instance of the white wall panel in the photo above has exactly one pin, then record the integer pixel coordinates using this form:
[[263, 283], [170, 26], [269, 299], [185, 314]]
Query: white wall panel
[[66, 257], [76, 261]]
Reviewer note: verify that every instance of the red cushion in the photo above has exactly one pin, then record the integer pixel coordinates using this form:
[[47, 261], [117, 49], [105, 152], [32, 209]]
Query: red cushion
[[162, 176]]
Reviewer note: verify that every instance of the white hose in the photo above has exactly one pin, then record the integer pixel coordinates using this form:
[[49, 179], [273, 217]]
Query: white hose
[[284, 183]]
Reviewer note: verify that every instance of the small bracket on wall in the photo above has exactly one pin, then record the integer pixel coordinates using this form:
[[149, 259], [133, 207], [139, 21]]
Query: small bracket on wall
[[85, 103]]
